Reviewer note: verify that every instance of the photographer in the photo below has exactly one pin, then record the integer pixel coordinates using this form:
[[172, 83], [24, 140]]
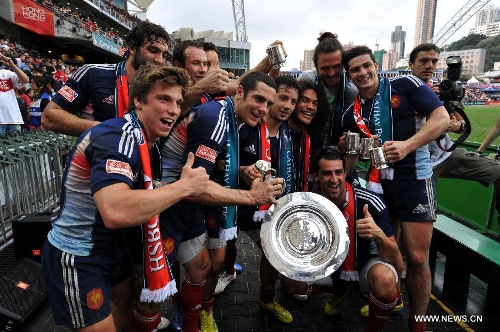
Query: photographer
[[456, 163]]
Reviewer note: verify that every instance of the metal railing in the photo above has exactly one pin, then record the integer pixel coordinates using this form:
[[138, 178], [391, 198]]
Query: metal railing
[[31, 167]]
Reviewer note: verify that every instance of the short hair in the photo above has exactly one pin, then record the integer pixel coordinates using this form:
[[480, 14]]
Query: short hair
[[328, 43], [250, 80], [148, 75], [209, 46], [178, 54], [355, 52], [287, 82], [145, 33], [327, 153], [425, 47]]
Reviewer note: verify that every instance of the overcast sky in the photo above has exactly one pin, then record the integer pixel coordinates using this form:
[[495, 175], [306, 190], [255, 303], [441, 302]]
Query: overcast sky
[[298, 23]]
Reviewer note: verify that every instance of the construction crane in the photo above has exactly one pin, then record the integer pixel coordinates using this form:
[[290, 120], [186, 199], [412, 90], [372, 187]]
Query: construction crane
[[458, 20], [239, 20]]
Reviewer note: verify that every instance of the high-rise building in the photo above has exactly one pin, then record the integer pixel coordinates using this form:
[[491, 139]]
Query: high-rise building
[[398, 38], [487, 21], [307, 63], [490, 14], [426, 19], [378, 54]]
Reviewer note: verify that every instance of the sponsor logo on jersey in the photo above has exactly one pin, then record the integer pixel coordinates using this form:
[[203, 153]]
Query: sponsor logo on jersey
[[109, 100], [250, 149], [68, 93], [119, 167], [206, 153], [95, 299]]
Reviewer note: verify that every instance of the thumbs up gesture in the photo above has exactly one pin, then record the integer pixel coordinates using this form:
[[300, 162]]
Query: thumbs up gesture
[[366, 227]]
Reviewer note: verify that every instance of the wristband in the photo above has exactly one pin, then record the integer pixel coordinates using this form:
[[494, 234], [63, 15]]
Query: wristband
[[462, 126]]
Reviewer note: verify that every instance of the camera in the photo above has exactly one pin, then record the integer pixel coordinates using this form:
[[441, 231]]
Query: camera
[[449, 90]]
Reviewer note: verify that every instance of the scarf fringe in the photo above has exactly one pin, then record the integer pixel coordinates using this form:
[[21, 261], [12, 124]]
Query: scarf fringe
[[349, 275], [258, 216], [227, 234], [159, 295], [376, 187]]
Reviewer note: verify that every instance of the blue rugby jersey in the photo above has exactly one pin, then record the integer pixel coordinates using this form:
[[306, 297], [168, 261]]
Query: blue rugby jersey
[[412, 101], [90, 92], [104, 155]]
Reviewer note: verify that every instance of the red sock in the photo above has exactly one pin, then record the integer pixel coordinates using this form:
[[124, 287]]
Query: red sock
[[207, 305], [266, 293], [191, 299], [380, 311], [416, 326], [231, 253], [145, 321]]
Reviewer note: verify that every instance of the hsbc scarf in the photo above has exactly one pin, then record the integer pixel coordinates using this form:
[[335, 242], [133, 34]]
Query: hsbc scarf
[[285, 163], [231, 172], [348, 269], [381, 124], [158, 283]]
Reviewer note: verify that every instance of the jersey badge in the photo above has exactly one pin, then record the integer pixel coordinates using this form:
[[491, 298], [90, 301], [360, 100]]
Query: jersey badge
[[95, 299], [119, 167], [206, 153], [68, 93]]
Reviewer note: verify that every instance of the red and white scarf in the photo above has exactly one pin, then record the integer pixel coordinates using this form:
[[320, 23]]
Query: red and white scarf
[[348, 270], [158, 282]]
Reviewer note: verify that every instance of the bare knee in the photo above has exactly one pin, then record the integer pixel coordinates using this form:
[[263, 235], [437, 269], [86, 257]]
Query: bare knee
[[382, 281]]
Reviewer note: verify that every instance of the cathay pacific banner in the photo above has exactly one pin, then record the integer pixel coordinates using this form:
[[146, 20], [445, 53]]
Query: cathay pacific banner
[[105, 44]]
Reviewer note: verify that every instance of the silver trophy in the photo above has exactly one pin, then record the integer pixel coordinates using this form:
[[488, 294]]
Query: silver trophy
[[277, 55], [267, 172], [305, 236]]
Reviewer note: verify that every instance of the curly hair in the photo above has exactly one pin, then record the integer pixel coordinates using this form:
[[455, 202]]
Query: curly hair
[[146, 33], [317, 125]]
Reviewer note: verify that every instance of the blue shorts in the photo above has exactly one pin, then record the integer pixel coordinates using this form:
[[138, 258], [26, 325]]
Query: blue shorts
[[410, 200], [181, 222], [80, 286]]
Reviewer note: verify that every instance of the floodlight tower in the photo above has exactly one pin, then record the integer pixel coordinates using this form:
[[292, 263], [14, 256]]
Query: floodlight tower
[[458, 20], [239, 20]]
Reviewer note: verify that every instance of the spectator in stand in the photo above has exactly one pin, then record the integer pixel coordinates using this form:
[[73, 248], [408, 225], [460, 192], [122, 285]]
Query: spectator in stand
[[51, 71], [59, 75], [40, 100], [21, 62], [10, 114], [23, 106]]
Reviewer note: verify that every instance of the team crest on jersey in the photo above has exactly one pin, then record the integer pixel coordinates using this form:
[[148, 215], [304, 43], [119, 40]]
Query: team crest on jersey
[[206, 153], [169, 244], [119, 167], [395, 101], [95, 299], [68, 93], [210, 223]]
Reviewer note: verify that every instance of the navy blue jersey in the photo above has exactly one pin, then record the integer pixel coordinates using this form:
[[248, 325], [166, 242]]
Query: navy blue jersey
[[90, 92], [202, 131], [104, 155], [412, 101], [379, 212]]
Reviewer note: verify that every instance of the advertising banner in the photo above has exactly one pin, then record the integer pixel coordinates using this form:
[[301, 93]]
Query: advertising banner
[[105, 44], [34, 17]]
